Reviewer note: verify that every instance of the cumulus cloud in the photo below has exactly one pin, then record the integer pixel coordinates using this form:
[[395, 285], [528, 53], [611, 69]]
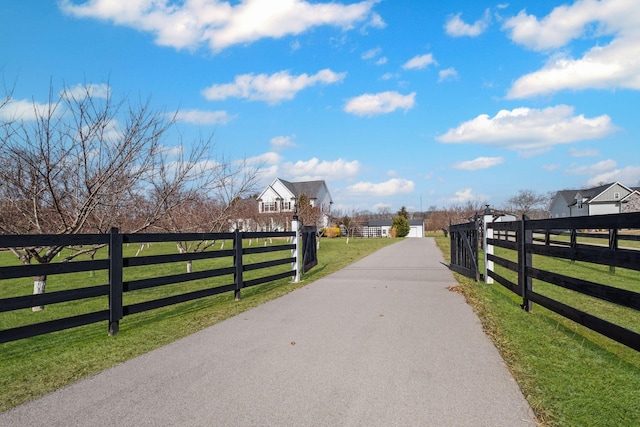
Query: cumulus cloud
[[612, 65], [270, 158], [447, 74], [629, 175], [479, 163], [419, 62], [456, 27], [273, 88], [315, 169], [528, 130], [594, 169], [379, 103], [221, 24], [280, 143], [388, 188], [22, 109], [205, 118], [81, 91], [466, 195]]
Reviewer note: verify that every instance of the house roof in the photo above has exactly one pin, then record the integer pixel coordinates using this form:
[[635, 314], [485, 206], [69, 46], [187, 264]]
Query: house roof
[[570, 196], [310, 188]]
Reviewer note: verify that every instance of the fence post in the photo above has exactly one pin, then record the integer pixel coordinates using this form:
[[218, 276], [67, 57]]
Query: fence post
[[115, 281], [524, 261], [613, 245], [474, 245], [487, 233], [295, 253], [237, 262], [452, 246]]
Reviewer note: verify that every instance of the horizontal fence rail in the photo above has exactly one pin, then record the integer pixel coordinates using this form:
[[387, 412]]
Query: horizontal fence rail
[[608, 240], [160, 279]]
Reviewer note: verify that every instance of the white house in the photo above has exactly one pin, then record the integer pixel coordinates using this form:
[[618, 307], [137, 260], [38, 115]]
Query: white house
[[281, 196], [606, 199]]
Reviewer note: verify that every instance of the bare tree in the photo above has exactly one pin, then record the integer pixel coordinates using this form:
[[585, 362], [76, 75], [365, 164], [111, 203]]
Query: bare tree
[[89, 163], [309, 214], [528, 202]]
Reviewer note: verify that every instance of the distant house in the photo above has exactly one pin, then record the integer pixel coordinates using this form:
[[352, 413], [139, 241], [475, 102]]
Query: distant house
[[280, 197], [605, 199], [382, 228]]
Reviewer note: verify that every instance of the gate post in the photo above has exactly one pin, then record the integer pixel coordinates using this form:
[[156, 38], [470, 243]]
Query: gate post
[[487, 233], [295, 253], [115, 281]]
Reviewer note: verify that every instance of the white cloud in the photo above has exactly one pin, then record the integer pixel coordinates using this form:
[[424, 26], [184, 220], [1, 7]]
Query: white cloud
[[270, 158], [447, 74], [388, 188], [379, 103], [456, 27], [382, 61], [587, 152], [388, 76], [614, 65], [314, 169], [419, 62], [629, 175], [280, 143], [371, 53], [530, 130], [594, 169], [81, 91], [220, 24], [378, 207], [204, 118], [273, 88], [551, 168], [479, 163], [22, 109], [466, 195]]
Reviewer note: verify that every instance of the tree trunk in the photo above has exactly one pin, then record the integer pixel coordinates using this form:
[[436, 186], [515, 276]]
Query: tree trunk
[[39, 285], [189, 266]]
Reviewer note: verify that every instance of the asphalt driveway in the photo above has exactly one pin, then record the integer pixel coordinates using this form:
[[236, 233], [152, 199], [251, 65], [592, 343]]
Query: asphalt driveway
[[380, 343]]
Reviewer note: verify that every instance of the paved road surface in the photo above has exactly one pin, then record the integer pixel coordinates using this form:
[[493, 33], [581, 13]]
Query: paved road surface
[[380, 343]]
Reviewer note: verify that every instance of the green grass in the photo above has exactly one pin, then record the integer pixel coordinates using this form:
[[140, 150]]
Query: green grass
[[31, 367], [570, 375]]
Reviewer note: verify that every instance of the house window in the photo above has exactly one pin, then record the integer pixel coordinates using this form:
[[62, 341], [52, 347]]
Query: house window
[[269, 207], [616, 195], [580, 204]]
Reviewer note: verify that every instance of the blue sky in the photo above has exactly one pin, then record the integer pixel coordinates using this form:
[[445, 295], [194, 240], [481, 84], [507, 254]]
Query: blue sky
[[392, 102]]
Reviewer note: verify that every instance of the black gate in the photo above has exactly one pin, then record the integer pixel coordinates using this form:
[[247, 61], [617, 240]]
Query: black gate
[[464, 248], [309, 253]]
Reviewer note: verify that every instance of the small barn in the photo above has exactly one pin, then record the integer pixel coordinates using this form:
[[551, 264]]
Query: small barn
[[382, 228]]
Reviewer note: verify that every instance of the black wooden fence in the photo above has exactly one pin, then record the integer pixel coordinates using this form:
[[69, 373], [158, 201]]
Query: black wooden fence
[[464, 248], [563, 238], [309, 248], [117, 287]]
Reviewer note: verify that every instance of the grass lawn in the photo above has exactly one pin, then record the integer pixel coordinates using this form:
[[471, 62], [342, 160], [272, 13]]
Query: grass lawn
[[31, 367], [570, 375]]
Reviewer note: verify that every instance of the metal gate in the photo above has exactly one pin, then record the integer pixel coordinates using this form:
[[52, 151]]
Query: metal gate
[[309, 253], [464, 248]]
